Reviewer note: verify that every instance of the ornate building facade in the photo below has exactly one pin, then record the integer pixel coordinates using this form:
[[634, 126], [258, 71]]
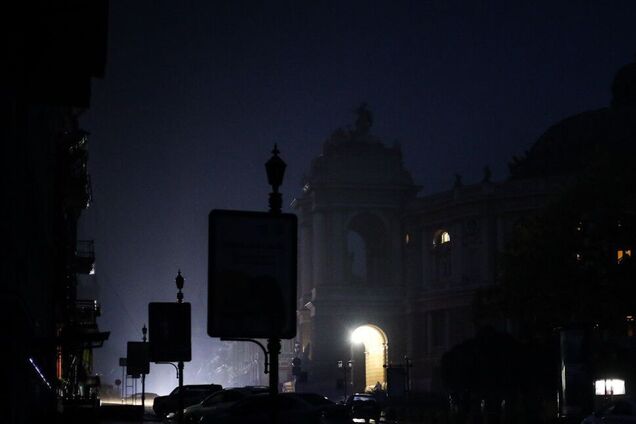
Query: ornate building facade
[[387, 276]]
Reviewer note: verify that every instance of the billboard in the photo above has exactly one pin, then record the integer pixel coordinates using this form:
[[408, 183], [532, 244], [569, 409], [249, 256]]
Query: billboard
[[137, 358], [169, 332], [252, 275]]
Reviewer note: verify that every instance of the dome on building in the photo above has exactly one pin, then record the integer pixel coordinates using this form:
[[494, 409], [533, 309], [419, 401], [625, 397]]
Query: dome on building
[[624, 86], [574, 144]]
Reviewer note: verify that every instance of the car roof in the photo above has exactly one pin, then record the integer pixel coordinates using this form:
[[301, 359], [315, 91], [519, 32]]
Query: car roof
[[198, 387], [313, 397]]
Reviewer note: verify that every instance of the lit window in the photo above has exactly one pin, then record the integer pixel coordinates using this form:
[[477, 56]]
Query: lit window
[[609, 387], [621, 254], [442, 238]]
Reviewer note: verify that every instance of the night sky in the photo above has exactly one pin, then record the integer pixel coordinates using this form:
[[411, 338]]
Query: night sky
[[196, 94]]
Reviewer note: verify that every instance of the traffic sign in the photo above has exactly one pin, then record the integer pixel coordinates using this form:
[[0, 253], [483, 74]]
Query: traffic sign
[[138, 358], [169, 331], [252, 275]]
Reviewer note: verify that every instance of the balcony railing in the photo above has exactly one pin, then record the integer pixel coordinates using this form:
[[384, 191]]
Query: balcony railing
[[75, 178]]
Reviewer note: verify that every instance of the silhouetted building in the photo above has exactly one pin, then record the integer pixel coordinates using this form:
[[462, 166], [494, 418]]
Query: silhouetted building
[[54, 50], [384, 273]]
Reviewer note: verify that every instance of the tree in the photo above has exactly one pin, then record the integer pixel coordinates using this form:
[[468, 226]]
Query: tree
[[572, 263]]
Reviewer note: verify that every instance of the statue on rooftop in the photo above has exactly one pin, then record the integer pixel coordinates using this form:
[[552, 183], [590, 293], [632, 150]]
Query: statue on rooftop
[[364, 119]]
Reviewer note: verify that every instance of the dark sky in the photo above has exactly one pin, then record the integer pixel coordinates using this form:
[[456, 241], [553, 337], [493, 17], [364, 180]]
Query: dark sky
[[196, 94]]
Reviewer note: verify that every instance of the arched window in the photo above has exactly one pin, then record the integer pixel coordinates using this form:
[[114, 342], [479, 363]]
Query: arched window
[[442, 237]]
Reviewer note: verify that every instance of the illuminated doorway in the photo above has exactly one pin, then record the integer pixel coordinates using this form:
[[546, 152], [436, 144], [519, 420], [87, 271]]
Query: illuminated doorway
[[374, 342]]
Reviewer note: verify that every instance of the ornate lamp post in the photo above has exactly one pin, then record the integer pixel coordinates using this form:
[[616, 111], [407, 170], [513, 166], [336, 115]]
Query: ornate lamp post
[[144, 332], [179, 282], [346, 368], [275, 168]]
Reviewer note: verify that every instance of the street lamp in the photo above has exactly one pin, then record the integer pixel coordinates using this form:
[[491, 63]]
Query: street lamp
[[275, 168], [346, 368], [179, 280], [144, 332]]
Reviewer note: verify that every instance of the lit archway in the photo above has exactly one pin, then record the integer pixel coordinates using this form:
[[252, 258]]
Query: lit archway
[[375, 345]]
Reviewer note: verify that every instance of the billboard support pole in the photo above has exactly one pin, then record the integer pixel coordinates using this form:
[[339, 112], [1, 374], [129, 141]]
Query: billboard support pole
[[265, 353]]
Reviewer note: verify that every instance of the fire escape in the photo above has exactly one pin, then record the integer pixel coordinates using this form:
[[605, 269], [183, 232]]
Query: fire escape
[[78, 332]]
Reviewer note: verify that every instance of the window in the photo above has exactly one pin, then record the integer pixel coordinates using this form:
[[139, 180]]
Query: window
[[622, 255], [609, 387], [442, 238], [441, 255]]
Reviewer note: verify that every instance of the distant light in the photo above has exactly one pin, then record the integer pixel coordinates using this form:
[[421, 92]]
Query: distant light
[[612, 386], [407, 238], [92, 271]]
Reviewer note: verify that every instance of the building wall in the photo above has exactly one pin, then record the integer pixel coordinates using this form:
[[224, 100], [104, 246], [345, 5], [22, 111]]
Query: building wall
[[46, 83], [421, 293]]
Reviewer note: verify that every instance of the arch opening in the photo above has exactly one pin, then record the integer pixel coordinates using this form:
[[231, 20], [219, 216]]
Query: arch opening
[[367, 259], [375, 344]]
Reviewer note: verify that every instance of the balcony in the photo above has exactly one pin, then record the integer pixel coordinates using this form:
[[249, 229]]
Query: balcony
[[84, 260], [87, 311], [76, 183], [82, 330], [83, 337]]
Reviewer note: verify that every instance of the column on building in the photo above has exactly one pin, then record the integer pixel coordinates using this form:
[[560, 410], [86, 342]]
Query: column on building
[[337, 248], [306, 265], [319, 264]]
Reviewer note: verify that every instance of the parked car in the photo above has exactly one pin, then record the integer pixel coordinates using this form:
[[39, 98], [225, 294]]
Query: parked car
[[192, 393], [622, 411], [364, 406], [290, 409], [217, 401], [332, 413]]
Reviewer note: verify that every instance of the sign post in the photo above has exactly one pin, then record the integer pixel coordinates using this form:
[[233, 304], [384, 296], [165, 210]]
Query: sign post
[[252, 273], [170, 335]]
